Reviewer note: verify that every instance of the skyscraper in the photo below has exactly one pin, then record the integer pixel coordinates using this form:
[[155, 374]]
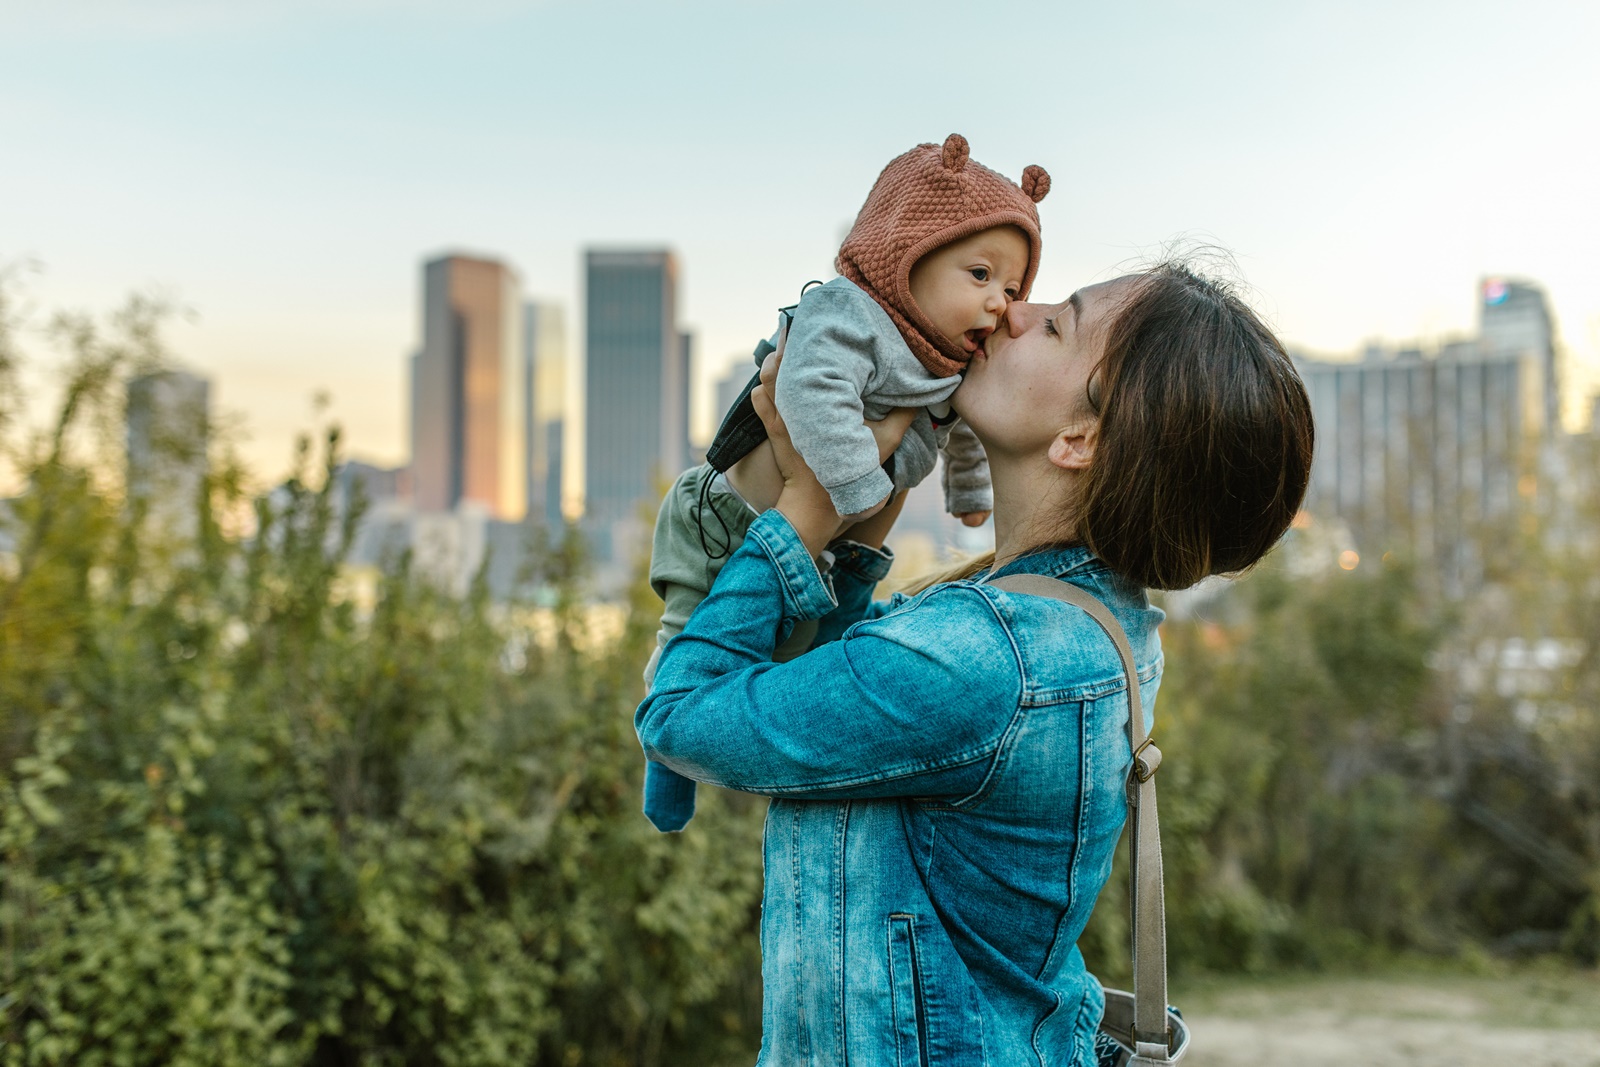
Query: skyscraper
[[1514, 322], [544, 333], [467, 395], [634, 417]]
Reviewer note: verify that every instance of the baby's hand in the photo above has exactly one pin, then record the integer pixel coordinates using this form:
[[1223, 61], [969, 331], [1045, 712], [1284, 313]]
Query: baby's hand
[[973, 518]]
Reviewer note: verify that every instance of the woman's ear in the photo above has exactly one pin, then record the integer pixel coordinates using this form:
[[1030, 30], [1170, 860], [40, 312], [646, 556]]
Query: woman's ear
[[1073, 448]]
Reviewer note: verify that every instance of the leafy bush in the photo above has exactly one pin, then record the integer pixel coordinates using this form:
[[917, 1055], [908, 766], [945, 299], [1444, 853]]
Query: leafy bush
[[245, 821], [1336, 789]]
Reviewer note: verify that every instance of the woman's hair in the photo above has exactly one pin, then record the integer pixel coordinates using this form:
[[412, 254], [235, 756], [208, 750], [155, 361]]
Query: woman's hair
[[1205, 437]]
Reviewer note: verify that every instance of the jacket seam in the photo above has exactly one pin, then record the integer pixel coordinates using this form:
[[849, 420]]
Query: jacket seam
[[841, 824], [1033, 1038], [986, 786], [996, 754], [870, 779], [1086, 691], [1092, 690], [798, 978], [997, 765]]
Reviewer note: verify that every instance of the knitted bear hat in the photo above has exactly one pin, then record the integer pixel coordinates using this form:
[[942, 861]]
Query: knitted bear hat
[[923, 200]]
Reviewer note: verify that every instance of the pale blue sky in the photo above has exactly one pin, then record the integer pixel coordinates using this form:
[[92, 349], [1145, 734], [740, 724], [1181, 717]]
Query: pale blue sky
[[284, 167]]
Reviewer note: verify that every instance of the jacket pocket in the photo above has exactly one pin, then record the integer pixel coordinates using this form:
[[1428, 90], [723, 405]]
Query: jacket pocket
[[905, 993]]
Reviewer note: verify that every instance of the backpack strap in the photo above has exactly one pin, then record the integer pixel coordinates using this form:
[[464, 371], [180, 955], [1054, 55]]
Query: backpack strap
[[1150, 1028]]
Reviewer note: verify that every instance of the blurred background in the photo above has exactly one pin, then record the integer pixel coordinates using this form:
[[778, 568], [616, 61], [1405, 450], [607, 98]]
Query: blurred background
[[346, 347]]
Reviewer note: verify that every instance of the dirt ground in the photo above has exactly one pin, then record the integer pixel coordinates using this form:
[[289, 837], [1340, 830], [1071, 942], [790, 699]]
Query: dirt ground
[[1524, 1019]]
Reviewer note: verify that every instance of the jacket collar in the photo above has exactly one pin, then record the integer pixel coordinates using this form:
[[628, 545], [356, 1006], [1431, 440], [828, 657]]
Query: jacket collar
[[1053, 560]]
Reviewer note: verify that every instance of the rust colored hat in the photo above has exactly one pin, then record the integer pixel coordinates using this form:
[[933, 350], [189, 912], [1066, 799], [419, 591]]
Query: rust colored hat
[[923, 200]]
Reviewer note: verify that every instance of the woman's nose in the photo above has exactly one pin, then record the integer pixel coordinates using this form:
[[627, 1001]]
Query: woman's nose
[[1020, 316]]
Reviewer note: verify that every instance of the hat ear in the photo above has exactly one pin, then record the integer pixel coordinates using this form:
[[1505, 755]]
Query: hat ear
[[955, 152], [1035, 182]]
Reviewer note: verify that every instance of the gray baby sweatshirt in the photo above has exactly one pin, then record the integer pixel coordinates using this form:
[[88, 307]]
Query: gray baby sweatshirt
[[843, 361]]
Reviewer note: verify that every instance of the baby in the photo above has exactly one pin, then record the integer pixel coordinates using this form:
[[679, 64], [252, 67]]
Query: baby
[[937, 253]]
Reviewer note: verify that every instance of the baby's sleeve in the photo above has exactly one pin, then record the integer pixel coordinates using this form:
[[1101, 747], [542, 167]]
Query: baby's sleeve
[[966, 473], [829, 360]]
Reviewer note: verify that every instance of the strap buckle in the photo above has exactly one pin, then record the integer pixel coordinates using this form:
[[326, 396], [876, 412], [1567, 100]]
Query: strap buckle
[[1145, 766]]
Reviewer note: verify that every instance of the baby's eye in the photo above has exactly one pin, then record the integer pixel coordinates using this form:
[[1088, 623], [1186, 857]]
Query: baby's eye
[[1011, 294], [980, 273], [1050, 326]]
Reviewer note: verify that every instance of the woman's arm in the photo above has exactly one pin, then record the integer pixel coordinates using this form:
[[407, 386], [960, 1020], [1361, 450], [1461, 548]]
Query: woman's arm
[[912, 704]]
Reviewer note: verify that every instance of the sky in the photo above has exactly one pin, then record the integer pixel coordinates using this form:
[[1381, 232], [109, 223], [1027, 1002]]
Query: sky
[[282, 168]]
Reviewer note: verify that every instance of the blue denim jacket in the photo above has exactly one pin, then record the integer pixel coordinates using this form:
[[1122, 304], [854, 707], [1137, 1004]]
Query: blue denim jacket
[[947, 774]]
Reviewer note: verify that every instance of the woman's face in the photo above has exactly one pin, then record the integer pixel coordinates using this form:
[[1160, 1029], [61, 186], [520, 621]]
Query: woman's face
[[1030, 381]]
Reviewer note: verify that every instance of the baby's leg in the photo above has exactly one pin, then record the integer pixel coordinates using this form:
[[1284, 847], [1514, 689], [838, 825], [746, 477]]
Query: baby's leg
[[668, 795], [682, 572], [757, 477]]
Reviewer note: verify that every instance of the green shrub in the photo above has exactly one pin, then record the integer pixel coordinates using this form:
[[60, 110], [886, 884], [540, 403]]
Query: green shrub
[[246, 822]]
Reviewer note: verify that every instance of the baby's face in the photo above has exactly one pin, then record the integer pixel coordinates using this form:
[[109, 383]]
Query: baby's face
[[965, 287]]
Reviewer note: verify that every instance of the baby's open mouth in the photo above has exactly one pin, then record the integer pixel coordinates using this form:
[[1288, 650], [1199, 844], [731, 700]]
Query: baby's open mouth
[[974, 338]]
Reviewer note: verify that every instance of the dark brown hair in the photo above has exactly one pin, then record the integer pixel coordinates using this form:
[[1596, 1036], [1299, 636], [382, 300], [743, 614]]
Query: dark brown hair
[[1205, 435]]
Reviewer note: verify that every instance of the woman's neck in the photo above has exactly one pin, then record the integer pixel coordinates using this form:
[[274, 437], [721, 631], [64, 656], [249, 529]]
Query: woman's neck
[[1033, 505]]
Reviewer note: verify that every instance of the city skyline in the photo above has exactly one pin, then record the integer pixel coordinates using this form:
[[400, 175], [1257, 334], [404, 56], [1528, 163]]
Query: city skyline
[[1366, 165], [1428, 454]]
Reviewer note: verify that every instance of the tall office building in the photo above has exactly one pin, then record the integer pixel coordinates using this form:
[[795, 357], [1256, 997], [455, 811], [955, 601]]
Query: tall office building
[[1514, 321], [167, 419], [635, 422], [1426, 455], [544, 343], [467, 396]]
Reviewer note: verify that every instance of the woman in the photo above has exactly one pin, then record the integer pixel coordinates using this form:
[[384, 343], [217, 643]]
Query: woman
[[947, 769]]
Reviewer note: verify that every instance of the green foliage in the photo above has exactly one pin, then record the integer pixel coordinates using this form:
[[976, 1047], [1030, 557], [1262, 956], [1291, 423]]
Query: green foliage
[[1336, 789], [246, 820]]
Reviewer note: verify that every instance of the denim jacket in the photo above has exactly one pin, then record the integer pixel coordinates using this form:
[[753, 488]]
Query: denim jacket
[[947, 774]]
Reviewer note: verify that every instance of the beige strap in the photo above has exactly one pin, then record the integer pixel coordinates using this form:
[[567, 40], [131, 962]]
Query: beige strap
[[1148, 904]]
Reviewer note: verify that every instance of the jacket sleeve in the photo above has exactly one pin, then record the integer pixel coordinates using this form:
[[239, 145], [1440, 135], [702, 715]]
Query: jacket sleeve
[[914, 703], [966, 473], [856, 572], [828, 363]]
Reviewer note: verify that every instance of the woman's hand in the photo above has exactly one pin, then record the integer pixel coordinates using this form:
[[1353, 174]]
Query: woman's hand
[[803, 500]]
